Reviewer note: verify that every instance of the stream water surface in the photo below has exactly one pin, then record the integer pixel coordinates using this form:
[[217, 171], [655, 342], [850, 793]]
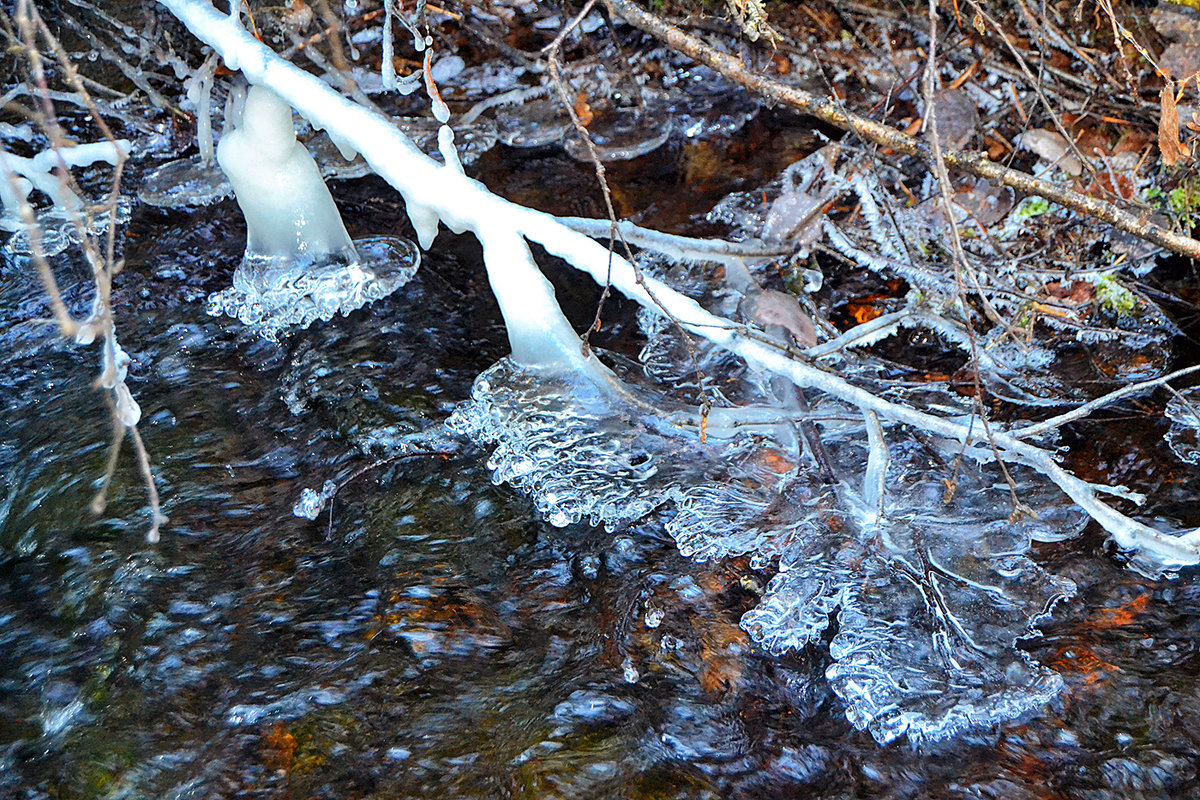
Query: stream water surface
[[428, 636]]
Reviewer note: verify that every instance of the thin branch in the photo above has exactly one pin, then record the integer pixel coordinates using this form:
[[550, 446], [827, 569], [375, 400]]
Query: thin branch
[[1085, 410], [835, 114]]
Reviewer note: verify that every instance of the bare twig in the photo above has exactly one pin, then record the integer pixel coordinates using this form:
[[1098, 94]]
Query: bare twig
[[835, 114]]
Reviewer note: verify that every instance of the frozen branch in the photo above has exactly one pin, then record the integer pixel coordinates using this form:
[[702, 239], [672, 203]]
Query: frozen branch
[[433, 192]]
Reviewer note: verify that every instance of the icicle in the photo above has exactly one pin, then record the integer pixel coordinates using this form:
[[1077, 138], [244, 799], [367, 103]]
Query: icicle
[[874, 485], [203, 104], [440, 112], [389, 48]]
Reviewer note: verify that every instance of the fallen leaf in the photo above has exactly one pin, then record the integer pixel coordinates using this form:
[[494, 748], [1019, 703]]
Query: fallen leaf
[[583, 110], [1052, 147], [1171, 149]]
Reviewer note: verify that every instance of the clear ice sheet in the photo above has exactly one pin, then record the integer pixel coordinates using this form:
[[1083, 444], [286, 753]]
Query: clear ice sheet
[[1183, 437], [272, 295], [534, 123], [622, 135], [709, 105], [583, 452], [186, 182], [930, 598]]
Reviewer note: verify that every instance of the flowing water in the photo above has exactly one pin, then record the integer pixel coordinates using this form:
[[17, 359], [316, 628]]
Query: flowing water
[[427, 635]]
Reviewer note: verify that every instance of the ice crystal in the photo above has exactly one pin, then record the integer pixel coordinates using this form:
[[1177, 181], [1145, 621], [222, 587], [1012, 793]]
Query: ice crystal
[[273, 294], [930, 597]]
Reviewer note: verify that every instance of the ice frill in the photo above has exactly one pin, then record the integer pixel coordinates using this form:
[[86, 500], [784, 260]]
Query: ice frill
[[300, 265], [272, 293], [585, 452], [930, 597]]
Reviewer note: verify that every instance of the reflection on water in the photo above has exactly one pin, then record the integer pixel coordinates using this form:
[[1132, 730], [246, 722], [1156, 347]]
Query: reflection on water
[[430, 637]]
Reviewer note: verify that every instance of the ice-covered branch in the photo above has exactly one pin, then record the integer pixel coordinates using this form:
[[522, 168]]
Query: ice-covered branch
[[436, 193]]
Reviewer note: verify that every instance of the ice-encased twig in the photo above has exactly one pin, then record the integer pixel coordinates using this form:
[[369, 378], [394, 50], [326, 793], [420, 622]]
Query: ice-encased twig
[[682, 248], [1085, 410], [434, 193]]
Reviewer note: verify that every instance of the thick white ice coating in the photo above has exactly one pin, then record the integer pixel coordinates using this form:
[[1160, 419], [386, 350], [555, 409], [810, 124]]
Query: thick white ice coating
[[434, 192], [37, 172], [289, 211]]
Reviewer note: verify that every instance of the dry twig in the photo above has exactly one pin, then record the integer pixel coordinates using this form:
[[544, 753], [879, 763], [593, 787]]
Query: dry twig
[[834, 113]]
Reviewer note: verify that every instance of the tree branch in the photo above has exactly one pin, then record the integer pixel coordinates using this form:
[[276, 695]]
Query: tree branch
[[837, 115]]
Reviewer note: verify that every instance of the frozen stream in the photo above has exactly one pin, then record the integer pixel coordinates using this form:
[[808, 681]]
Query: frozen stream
[[437, 639]]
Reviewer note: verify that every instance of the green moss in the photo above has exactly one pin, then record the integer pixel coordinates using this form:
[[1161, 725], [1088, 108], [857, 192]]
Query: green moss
[[1113, 298], [1032, 207], [1183, 201]]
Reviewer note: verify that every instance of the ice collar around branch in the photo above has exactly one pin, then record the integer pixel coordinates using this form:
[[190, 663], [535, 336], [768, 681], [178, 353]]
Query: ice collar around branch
[[300, 264]]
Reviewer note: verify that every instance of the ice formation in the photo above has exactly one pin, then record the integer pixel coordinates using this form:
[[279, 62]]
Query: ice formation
[[300, 264], [289, 211], [912, 542], [60, 223], [930, 597], [1183, 437]]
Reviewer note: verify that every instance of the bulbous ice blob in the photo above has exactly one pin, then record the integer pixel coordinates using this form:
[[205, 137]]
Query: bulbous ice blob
[[300, 264], [287, 206]]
